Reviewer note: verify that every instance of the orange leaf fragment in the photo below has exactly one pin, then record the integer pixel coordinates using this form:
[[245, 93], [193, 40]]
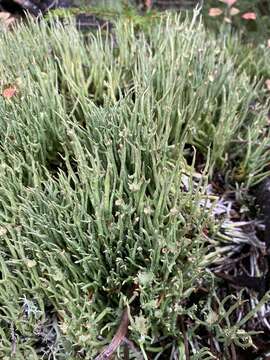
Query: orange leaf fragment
[[9, 92], [4, 15], [7, 19], [214, 12]]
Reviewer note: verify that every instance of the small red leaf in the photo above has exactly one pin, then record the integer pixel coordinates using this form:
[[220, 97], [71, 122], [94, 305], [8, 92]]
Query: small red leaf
[[249, 16], [9, 92], [229, 2]]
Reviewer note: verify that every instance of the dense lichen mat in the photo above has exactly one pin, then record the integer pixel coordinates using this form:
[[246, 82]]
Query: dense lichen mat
[[126, 159]]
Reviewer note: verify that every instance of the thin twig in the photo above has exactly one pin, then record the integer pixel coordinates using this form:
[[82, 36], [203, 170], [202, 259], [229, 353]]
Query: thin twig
[[13, 339], [183, 330], [135, 351], [117, 339], [233, 352], [126, 352]]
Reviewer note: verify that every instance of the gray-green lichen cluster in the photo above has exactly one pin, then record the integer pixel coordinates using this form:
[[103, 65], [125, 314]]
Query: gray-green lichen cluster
[[101, 197]]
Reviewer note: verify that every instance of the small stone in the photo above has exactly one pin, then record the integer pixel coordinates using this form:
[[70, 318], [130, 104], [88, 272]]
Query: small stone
[[3, 231], [30, 263]]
